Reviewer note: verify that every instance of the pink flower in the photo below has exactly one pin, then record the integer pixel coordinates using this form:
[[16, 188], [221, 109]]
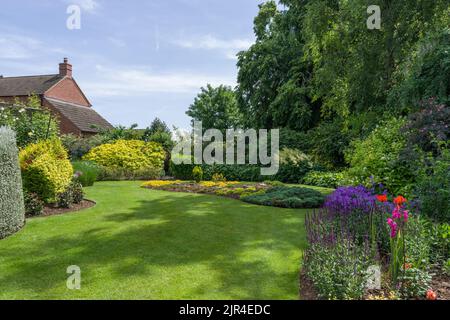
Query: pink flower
[[406, 215], [393, 225], [396, 213]]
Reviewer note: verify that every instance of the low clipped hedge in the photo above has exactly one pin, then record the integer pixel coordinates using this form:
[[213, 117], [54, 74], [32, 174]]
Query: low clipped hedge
[[12, 210], [46, 169], [287, 197]]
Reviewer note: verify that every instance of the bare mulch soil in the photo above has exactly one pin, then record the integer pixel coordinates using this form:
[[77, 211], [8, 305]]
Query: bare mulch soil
[[52, 210]]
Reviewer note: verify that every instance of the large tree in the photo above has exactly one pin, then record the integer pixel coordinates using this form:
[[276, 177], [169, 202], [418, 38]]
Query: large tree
[[216, 108], [273, 77]]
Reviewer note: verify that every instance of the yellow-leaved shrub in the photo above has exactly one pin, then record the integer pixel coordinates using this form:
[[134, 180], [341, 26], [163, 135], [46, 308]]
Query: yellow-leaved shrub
[[128, 154], [46, 169]]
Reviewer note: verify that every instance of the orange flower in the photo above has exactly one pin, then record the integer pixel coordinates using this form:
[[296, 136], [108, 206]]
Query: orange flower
[[431, 295], [400, 200], [407, 266], [382, 197]]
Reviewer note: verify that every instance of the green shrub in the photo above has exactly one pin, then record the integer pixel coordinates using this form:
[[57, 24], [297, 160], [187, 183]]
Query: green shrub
[[433, 188], [415, 282], [287, 197], [131, 155], [294, 164], [12, 210], [378, 157], [41, 125], [78, 146], [324, 179], [77, 192], [197, 174], [72, 195], [46, 169], [120, 174], [338, 271], [33, 205], [218, 177], [86, 172]]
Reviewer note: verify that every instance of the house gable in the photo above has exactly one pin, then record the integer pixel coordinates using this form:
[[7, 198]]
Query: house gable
[[68, 90]]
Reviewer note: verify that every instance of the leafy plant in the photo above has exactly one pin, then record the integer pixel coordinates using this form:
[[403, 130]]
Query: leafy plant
[[415, 282], [338, 271], [46, 169], [128, 154], [287, 197], [31, 122], [86, 172], [218, 177], [12, 210], [33, 205], [324, 179], [197, 174]]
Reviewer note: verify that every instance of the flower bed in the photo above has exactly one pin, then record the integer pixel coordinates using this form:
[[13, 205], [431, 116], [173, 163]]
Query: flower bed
[[256, 193], [359, 232]]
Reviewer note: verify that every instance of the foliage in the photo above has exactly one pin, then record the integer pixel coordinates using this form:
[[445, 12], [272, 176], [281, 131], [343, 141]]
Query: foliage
[[433, 188], [216, 108], [294, 164], [324, 179], [46, 169], [121, 133], [415, 282], [428, 127], [426, 73], [131, 155], [273, 79], [86, 172], [12, 211], [338, 271], [287, 197], [377, 157], [78, 146], [197, 174], [33, 205], [31, 122], [72, 195], [218, 177], [119, 174]]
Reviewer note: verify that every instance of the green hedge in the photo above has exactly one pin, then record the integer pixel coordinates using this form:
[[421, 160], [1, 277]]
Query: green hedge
[[287, 197], [12, 210]]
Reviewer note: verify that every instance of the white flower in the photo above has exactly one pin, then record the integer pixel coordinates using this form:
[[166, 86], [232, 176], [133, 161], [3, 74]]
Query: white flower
[[30, 134], [22, 110]]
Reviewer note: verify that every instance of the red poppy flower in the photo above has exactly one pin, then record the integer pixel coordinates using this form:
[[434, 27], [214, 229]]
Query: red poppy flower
[[431, 295], [382, 197], [400, 200]]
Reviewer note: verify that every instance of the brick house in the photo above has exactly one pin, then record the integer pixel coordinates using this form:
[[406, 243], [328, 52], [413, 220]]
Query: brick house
[[61, 95]]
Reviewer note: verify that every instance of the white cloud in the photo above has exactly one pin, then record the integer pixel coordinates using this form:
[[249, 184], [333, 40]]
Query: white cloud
[[17, 47], [87, 5], [129, 81], [229, 47]]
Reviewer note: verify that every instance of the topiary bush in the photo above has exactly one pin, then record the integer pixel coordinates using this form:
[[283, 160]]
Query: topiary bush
[[287, 197], [131, 155], [46, 169], [12, 209]]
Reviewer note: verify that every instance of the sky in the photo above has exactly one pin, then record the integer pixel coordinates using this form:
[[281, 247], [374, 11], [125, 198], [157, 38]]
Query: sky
[[136, 59]]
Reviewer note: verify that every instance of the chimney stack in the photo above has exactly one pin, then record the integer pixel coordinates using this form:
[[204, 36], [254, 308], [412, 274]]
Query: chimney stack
[[65, 69]]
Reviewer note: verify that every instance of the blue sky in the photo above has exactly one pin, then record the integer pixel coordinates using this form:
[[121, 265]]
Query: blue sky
[[134, 59]]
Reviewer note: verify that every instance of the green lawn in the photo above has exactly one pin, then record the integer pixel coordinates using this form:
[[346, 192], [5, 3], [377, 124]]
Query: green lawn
[[144, 244]]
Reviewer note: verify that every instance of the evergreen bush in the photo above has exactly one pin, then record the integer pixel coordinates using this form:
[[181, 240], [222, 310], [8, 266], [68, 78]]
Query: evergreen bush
[[12, 209]]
